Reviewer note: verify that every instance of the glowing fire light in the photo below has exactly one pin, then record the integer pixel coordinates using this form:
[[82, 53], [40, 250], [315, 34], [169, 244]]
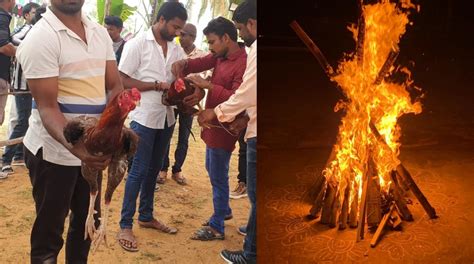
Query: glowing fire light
[[381, 103]]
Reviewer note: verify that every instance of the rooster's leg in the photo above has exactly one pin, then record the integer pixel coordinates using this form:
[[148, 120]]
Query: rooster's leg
[[101, 232], [90, 227]]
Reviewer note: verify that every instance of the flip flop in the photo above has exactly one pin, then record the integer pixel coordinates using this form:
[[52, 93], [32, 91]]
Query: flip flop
[[155, 224], [207, 234], [161, 179], [126, 240], [180, 180]]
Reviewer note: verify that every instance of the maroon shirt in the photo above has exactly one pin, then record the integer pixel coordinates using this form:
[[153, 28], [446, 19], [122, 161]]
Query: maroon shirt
[[226, 78]]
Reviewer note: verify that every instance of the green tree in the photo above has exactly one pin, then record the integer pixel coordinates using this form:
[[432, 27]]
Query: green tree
[[113, 8], [217, 7]]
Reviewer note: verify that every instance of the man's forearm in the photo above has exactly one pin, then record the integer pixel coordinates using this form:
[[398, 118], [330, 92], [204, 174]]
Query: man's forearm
[[54, 122], [8, 50], [114, 91], [129, 83]]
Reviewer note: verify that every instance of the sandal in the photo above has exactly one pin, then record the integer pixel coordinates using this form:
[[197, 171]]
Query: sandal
[[127, 240], [227, 217], [155, 224], [180, 179], [162, 175], [207, 234]]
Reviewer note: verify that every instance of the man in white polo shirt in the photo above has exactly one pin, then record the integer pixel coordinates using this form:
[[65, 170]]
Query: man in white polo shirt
[[146, 64], [70, 65]]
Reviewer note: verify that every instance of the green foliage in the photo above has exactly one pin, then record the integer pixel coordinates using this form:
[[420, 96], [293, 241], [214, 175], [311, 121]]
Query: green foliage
[[127, 11], [100, 11], [117, 8], [217, 7]]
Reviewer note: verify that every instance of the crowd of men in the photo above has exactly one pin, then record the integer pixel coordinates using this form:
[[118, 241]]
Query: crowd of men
[[65, 60]]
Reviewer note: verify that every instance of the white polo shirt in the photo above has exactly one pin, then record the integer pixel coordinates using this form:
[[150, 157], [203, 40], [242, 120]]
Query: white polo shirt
[[53, 50], [143, 59]]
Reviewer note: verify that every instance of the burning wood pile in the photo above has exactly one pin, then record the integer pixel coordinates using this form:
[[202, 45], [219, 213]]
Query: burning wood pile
[[363, 180]]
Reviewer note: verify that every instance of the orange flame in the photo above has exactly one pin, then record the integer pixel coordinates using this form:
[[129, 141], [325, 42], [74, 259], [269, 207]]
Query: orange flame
[[368, 101]]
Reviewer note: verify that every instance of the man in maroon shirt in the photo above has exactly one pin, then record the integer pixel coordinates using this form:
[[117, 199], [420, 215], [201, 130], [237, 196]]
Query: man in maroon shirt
[[228, 60]]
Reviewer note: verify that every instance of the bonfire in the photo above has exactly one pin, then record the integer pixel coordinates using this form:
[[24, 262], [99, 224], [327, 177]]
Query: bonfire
[[364, 181]]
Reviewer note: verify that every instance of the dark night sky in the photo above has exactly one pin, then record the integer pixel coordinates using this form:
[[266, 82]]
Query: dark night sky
[[440, 42]]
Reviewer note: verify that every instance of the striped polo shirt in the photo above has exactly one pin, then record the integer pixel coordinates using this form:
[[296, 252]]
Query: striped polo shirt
[[53, 50]]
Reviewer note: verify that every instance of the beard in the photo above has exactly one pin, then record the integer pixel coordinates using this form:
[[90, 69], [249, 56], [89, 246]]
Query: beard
[[70, 7], [221, 54], [166, 35], [248, 41]]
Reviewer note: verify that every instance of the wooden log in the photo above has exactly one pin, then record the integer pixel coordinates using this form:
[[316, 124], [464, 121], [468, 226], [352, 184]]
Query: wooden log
[[11, 142], [403, 172], [336, 205], [354, 208], [374, 203], [399, 199], [395, 219], [313, 48], [378, 233], [345, 209], [315, 190], [360, 35], [328, 203], [392, 56], [318, 201], [363, 203], [401, 183]]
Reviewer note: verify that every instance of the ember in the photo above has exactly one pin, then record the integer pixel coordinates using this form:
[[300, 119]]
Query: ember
[[363, 178]]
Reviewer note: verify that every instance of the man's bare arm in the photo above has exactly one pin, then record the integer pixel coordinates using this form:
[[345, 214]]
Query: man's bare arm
[[113, 82], [129, 82], [8, 50]]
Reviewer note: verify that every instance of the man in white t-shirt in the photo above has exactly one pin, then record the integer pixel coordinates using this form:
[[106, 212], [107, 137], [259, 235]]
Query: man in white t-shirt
[[186, 40], [146, 64], [70, 65]]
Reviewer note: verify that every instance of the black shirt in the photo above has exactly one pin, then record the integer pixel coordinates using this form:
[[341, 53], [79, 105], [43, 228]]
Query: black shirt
[[5, 61]]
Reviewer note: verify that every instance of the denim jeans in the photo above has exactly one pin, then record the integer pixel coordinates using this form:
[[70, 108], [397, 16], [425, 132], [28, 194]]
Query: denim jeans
[[217, 166], [142, 176], [242, 176], [250, 244], [185, 125], [23, 106]]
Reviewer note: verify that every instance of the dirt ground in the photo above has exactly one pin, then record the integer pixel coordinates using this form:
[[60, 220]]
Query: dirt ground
[[184, 207]]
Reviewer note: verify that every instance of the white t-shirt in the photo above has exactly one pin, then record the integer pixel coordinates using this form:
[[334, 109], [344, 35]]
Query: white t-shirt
[[143, 59], [53, 50]]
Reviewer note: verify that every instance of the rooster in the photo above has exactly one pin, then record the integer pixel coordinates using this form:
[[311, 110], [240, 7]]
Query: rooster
[[106, 136]]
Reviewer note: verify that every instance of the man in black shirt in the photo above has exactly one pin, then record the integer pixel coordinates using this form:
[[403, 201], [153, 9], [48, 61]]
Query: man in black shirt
[[7, 51]]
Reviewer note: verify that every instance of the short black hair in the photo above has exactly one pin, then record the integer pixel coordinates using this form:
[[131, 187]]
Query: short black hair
[[245, 11], [39, 14], [170, 10], [113, 21], [28, 7], [221, 26]]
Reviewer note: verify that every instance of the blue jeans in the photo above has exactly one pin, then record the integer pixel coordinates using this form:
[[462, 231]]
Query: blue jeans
[[142, 176], [250, 244], [242, 176], [185, 125], [217, 166], [23, 105]]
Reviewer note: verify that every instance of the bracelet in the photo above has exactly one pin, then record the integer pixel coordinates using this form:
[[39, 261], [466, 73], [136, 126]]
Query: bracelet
[[156, 86]]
